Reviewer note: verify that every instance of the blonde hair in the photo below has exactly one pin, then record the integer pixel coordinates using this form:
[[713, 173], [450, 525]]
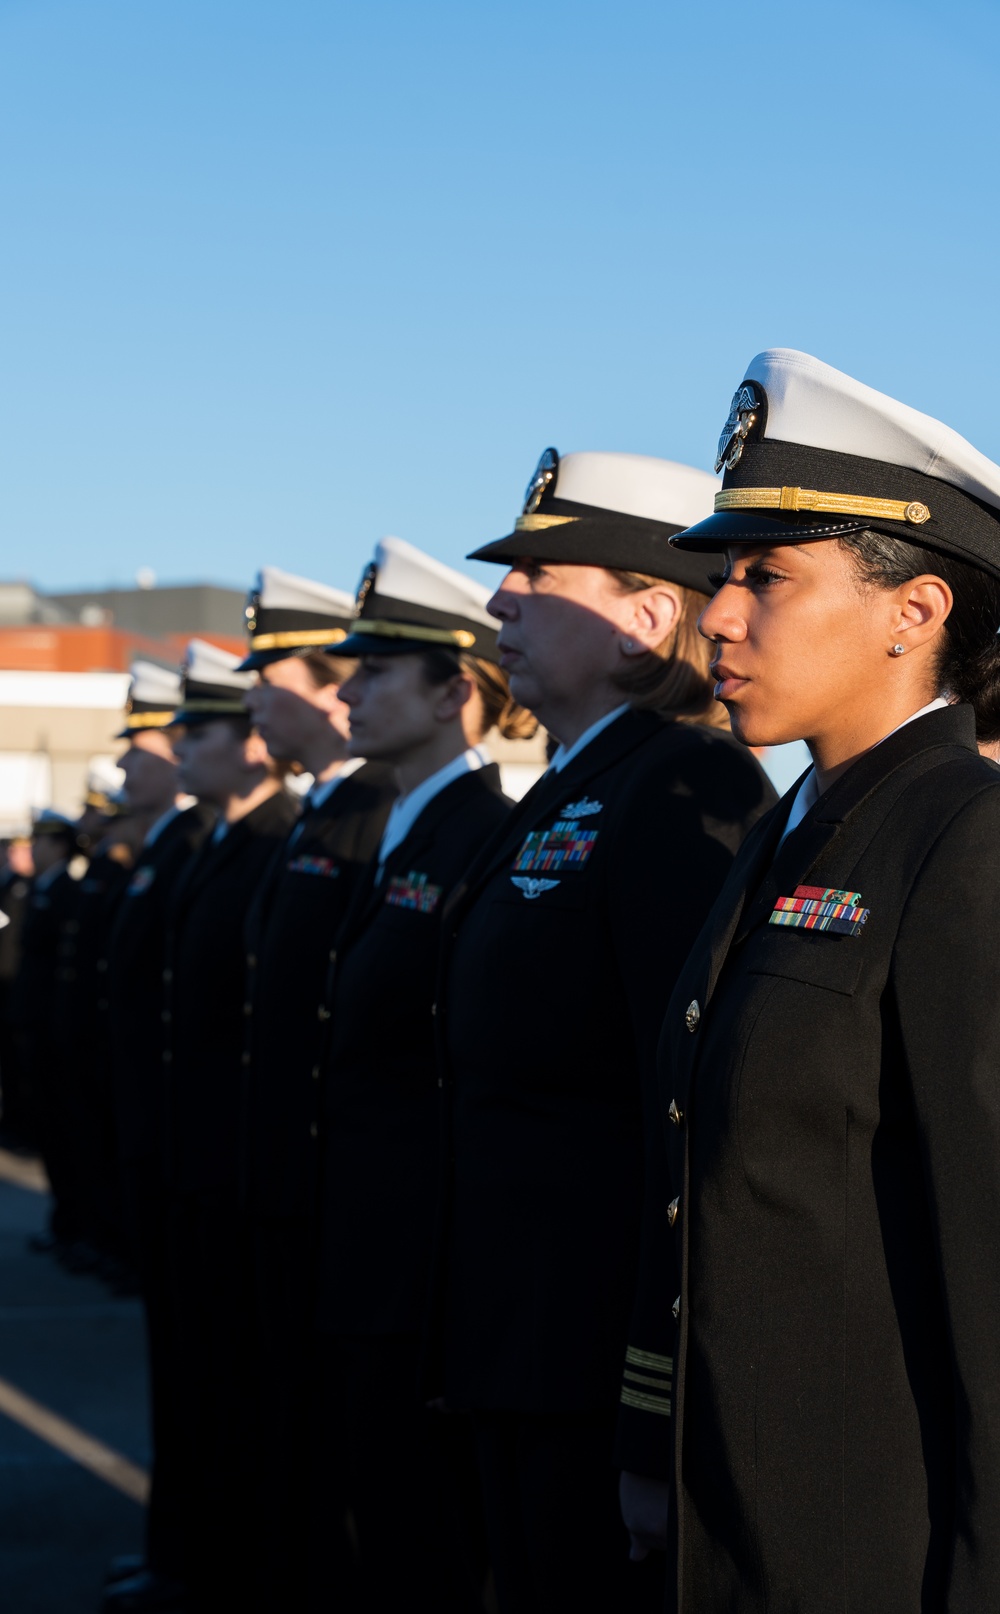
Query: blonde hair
[[673, 678]]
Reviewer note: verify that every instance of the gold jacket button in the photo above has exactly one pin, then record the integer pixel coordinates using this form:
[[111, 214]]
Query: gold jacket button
[[251, 961], [692, 1015], [322, 1014], [313, 1130], [315, 1073], [673, 1210], [676, 1308], [674, 1114], [244, 1059]]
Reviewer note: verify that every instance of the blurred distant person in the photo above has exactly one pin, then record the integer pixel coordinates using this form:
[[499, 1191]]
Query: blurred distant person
[[165, 828], [296, 910], [223, 762], [53, 895], [16, 872]]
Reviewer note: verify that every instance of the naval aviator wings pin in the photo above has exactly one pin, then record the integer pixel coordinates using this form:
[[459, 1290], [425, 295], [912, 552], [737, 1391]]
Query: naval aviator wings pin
[[531, 888], [815, 907]]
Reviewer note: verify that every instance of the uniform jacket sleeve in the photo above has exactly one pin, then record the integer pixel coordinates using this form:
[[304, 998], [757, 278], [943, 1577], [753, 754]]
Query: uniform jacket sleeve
[[946, 979]]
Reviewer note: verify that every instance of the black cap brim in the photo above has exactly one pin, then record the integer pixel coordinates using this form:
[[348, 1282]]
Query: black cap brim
[[263, 658], [726, 527], [371, 644], [623, 545]]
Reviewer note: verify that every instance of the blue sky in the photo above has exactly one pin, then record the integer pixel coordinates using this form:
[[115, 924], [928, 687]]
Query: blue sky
[[281, 276]]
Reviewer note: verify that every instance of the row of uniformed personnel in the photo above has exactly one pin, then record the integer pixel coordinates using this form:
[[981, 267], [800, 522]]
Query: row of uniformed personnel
[[412, 1239], [349, 1320]]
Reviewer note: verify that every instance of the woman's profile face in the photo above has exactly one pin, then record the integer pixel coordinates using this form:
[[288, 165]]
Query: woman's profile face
[[800, 642], [560, 630], [394, 710]]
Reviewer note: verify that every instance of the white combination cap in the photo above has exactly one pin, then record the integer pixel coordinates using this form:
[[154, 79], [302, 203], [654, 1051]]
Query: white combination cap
[[612, 510], [153, 696], [214, 686], [408, 600], [288, 615], [808, 452]]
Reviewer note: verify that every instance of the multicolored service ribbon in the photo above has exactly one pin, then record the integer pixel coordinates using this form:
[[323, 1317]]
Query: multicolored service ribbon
[[816, 907]]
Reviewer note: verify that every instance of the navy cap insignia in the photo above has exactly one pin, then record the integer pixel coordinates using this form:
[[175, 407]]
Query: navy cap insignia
[[366, 585], [583, 808], [545, 473], [532, 887], [742, 417]]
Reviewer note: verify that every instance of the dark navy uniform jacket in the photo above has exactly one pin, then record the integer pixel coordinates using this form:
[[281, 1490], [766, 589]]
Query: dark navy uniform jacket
[[560, 955], [203, 996], [381, 1124], [834, 1148], [292, 922], [133, 969]]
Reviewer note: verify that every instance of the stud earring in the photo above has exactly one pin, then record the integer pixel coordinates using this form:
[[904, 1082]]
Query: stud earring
[[897, 650], [628, 644]]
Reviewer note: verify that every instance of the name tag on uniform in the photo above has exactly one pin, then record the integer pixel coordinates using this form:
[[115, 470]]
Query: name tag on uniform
[[816, 907], [141, 880], [314, 865], [414, 893]]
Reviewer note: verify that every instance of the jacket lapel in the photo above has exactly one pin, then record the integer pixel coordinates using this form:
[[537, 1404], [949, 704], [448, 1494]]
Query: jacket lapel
[[827, 833], [728, 917]]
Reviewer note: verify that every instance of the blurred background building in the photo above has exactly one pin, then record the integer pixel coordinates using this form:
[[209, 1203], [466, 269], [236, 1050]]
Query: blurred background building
[[64, 662]]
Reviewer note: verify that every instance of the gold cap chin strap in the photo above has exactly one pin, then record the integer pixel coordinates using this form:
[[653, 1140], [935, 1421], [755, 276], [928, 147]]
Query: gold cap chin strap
[[224, 708], [296, 638], [834, 504], [148, 720], [538, 523], [454, 637]]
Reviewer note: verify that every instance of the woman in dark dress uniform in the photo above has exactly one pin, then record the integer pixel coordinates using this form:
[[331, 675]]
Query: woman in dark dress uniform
[[830, 1055], [425, 694], [560, 954]]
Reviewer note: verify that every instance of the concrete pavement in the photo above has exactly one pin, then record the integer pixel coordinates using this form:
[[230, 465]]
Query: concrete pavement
[[67, 1349]]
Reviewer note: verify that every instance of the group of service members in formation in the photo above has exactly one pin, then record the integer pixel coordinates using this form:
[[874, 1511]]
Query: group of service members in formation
[[590, 1202]]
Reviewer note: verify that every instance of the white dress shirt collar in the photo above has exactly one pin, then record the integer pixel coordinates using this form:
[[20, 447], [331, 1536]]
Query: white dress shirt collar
[[320, 792], [807, 794], [406, 809]]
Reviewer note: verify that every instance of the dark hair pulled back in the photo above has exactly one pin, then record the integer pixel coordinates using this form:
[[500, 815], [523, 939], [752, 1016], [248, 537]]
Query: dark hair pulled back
[[500, 711], [968, 666]]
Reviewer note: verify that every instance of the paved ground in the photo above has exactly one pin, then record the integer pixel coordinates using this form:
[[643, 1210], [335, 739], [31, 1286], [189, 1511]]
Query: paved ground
[[77, 1353]]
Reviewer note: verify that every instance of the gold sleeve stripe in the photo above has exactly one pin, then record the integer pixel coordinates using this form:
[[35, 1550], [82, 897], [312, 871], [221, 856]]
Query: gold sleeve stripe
[[659, 1364], [646, 1403], [834, 504], [643, 1378]]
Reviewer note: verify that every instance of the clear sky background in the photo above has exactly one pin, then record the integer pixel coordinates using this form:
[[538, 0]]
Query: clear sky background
[[281, 276]]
